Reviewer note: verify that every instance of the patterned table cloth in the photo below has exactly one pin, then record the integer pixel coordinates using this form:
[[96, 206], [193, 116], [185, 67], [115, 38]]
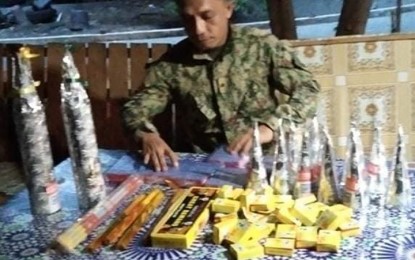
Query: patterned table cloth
[[387, 234]]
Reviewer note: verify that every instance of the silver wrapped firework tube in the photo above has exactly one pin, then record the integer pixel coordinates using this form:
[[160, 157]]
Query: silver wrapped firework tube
[[280, 170], [328, 188], [257, 174], [80, 133], [302, 186], [399, 191], [377, 169], [315, 154], [354, 190], [294, 145], [33, 136]]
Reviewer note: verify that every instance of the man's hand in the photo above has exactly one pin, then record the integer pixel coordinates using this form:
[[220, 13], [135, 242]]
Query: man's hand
[[155, 150], [243, 143]]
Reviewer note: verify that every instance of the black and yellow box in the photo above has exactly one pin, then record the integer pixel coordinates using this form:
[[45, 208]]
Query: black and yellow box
[[184, 220]]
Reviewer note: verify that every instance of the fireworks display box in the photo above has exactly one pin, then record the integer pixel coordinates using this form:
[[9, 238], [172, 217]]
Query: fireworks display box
[[184, 219]]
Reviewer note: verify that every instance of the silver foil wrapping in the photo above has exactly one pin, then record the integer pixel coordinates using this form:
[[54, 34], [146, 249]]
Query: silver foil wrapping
[[80, 133], [257, 175], [399, 191], [328, 188], [294, 145], [33, 137], [377, 169], [315, 148], [280, 171], [302, 186], [354, 189]]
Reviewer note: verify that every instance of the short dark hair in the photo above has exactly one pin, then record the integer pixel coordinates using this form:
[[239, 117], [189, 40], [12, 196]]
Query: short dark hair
[[179, 2]]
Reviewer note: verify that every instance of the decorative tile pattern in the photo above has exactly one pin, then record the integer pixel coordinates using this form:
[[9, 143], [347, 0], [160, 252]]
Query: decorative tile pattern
[[373, 103], [413, 54], [371, 56], [325, 109], [413, 108], [318, 59]]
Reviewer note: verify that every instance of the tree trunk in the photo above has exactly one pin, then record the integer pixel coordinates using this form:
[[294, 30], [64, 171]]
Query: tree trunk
[[281, 14], [353, 17]]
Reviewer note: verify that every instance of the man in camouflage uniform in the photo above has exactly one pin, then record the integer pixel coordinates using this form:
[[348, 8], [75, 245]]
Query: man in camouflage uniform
[[223, 78]]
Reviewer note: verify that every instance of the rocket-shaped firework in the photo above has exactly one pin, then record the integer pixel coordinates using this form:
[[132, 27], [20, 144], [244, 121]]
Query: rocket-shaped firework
[[399, 192], [294, 146], [354, 190], [302, 186], [33, 136], [257, 175], [315, 154], [328, 188], [280, 171], [80, 133], [377, 168]]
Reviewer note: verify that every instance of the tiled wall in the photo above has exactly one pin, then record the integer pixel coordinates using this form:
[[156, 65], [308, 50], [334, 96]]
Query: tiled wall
[[365, 79]]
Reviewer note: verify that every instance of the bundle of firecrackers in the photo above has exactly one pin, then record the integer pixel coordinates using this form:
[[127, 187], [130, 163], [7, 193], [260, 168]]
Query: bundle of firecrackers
[[33, 136]]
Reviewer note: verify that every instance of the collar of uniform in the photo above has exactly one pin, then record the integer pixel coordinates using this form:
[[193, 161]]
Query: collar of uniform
[[218, 53]]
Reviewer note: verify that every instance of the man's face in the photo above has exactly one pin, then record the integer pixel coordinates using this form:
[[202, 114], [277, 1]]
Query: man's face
[[206, 22]]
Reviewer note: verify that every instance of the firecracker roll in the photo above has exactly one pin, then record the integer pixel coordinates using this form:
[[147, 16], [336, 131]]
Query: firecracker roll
[[80, 133], [377, 169], [354, 190], [328, 188], [257, 175], [302, 186], [33, 137], [280, 172], [399, 194]]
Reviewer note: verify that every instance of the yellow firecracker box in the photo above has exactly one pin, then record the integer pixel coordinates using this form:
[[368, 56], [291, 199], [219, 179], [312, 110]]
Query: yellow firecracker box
[[306, 237], [318, 206], [328, 241], [279, 246], [286, 231], [219, 217], [307, 199], [330, 220], [221, 229], [225, 205], [343, 210], [236, 194], [261, 230], [285, 205], [241, 234], [247, 197], [304, 213], [284, 216], [350, 228], [282, 198], [247, 251], [225, 192], [262, 203], [254, 217], [184, 219]]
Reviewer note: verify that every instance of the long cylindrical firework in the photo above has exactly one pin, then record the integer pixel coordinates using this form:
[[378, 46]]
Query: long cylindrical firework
[[257, 175], [302, 187], [80, 133], [399, 194], [328, 189], [377, 168], [280, 173], [33, 136], [315, 148], [354, 190]]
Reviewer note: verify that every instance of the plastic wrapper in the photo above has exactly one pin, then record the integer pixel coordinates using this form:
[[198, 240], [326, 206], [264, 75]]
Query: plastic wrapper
[[257, 173], [280, 174], [294, 146], [328, 188], [315, 148], [354, 190], [80, 133], [377, 169], [399, 192], [302, 186], [33, 136]]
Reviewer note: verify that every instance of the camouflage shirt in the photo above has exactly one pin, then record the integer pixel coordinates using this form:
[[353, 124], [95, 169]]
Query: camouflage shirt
[[244, 76]]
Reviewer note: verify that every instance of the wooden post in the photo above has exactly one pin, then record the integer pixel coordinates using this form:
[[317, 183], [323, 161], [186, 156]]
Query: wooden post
[[353, 17], [281, 14]]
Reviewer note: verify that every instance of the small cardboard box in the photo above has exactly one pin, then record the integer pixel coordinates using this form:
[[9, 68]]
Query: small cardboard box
[[279, 246], [306, 237], [286, 231]]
